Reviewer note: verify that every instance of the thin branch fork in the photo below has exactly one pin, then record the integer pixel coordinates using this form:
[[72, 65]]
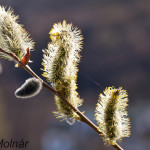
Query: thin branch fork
[[83, 118]]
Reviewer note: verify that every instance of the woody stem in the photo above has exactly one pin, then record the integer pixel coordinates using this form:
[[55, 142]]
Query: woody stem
[[82, 116]]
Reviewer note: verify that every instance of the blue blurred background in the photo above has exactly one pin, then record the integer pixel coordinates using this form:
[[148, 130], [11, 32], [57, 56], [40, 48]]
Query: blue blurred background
[[116, 53]]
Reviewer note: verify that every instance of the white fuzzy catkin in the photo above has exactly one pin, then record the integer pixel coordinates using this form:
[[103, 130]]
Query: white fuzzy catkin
[[13, 37], [111, 114], [30, 88], [60, 62]]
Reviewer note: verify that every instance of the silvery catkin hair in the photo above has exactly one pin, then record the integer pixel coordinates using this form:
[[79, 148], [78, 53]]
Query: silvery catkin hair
[[30, 88]]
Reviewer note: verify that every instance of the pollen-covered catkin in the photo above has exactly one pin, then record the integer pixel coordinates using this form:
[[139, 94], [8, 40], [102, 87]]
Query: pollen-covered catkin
[[30, 88], [13, 37], [60, 61], [111, 115]]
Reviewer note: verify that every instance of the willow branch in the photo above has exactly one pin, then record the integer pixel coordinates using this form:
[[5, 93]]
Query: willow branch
[[82, 116]]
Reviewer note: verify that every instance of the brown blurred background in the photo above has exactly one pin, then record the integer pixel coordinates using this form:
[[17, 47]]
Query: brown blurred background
[[116, 53]]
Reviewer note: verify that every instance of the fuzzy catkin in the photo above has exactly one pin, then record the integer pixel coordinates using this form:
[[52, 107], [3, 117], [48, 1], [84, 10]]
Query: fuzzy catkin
[[13, 37], [111, 114], [60, 61], [30, 88]]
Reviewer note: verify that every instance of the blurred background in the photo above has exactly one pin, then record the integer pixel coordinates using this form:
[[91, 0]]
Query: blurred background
[[116, 53]]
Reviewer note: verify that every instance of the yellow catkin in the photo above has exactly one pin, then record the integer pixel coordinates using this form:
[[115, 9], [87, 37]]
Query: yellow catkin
[[60, 62], [111, 114], [13, 37]]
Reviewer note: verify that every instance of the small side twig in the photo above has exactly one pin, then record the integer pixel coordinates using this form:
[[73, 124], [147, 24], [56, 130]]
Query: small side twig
[[82, 116]]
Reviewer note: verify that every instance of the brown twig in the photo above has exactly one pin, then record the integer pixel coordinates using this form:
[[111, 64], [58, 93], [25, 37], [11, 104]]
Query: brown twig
[[82, 116]]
